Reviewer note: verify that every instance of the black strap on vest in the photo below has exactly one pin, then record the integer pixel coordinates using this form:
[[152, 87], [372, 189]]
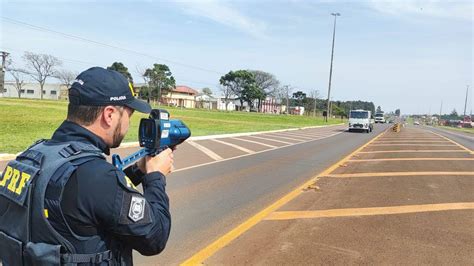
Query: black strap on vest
[[95, 258]]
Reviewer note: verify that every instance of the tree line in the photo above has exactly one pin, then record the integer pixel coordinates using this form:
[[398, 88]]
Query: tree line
[[246, 86]]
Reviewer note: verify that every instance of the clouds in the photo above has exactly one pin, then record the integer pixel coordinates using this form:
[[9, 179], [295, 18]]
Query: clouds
[[225, 14], [460, 9]]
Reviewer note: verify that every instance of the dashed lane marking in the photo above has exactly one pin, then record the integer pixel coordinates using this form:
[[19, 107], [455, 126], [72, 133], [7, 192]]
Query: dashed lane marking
[[414, 151], [280, 141], [206, 151], [289, 215], [389, 174], [411, 159], [256, 142], [233, 146]]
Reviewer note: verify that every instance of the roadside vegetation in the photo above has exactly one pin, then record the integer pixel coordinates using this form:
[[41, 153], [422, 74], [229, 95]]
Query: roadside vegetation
[[22, 121]]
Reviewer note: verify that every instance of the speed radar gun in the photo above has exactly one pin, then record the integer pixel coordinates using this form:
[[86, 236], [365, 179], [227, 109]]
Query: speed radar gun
[[155, 134]]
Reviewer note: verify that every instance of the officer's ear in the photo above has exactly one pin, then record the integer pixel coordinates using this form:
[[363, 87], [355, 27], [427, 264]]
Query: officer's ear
[[111, 114]]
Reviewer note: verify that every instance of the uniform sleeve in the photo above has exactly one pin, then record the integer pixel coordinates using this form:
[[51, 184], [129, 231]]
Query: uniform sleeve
[[141, 221]]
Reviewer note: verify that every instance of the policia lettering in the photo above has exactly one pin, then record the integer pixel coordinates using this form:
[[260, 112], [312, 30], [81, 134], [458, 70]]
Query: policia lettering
[[12, 176]]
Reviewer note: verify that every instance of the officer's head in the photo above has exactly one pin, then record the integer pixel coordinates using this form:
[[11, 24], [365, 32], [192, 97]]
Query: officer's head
[[103, 101]]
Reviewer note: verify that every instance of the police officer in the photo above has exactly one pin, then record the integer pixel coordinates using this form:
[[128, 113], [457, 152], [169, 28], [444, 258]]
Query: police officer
[[101, 216]]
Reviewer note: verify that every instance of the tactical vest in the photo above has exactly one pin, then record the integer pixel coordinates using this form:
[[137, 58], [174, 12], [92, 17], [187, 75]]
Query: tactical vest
[[32, 224]]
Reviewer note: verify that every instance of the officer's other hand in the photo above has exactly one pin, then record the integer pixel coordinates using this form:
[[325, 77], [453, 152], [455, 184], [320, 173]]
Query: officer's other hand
[[163, 162], [142, 165]]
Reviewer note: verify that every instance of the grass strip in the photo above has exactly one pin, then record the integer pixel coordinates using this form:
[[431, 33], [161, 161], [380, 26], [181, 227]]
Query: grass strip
[[22, 121]]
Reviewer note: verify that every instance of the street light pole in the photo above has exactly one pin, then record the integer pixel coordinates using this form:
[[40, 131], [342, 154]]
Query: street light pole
[[330, 69], [465, 101]]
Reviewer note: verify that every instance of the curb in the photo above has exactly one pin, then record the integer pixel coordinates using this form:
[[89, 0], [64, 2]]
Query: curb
[[9, 156]]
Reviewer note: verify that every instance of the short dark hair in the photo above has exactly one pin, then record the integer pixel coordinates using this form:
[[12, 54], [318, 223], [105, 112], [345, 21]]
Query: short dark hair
[[82, 114]]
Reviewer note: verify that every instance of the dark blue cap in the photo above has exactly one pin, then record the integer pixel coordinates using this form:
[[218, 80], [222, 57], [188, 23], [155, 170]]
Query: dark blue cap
[[100, 87]]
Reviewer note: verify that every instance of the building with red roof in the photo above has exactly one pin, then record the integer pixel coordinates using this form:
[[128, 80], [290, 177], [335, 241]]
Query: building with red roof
[[181, 96]]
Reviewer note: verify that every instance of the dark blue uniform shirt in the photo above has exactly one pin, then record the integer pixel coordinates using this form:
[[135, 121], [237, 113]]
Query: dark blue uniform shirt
[[99, 199]]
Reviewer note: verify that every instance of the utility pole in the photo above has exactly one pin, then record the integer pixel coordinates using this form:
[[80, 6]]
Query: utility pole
[[2, 72], [330, 69], [287, 100], [440, 109], [315, 101], [465, 101]]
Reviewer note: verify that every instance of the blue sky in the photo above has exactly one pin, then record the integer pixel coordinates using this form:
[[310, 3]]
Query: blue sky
[[399, 54]]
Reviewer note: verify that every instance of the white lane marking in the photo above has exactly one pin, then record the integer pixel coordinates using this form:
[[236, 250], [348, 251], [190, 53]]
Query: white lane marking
[[311, 136], [281, 141], [231, 158], [293, 138], [233, 146], [206, 151], [256, 142]]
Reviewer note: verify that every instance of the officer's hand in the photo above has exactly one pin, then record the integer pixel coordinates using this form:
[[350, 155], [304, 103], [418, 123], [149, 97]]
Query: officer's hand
[[163, 162], [142, 165]]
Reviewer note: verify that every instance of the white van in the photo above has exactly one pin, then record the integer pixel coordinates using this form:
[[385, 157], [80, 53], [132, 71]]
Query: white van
[[360, 120]]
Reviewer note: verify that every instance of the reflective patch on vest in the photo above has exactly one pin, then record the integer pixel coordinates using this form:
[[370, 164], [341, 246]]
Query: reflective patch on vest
[[137, 208], [126, 182], [16, 180]]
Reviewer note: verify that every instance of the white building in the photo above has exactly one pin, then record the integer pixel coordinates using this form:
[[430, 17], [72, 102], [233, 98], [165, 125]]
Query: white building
[[214, 103], [32, 90]]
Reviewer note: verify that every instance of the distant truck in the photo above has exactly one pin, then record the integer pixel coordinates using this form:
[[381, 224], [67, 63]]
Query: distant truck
[[379, 118], [360, 120]]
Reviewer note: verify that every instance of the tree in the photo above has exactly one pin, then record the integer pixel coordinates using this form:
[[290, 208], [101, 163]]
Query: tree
[[66, 77], [313, 103], [283, 93], [453, 115], [299, 97], [207, 91], [144, 91], [397, 112], [42, 66], [379, 109], [250, 93], [266, 83], [19, 76], [237, 82], [161, 80], [227, 93], [122, 69]]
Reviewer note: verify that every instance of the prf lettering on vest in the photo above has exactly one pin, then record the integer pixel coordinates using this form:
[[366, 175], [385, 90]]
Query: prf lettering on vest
[[12, 176], [129, 183]]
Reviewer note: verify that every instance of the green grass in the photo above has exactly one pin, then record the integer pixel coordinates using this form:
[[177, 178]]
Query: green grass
[[468, 130], [22, 121]]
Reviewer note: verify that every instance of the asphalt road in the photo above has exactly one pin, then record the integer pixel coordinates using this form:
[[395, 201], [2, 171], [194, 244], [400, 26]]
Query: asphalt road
[[463, 138], [403, 199], [209, 200]]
